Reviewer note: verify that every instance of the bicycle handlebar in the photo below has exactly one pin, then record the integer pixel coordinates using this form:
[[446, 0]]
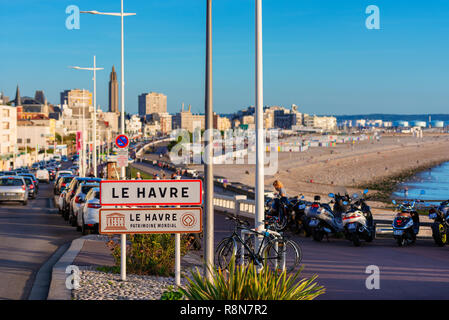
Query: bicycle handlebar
[[239, 221]]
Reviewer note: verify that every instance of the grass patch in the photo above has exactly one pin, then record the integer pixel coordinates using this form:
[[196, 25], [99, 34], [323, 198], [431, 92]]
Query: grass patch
[[108, 269]]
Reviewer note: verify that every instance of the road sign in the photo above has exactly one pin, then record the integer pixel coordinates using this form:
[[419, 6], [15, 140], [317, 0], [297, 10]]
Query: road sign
[[154, 220], [122, 157], [122, 141], [150, 192]]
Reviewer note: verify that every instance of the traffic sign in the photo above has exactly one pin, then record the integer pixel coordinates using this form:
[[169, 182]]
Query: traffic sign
[[153, 220], [150, 192], [122, 157], [122, 141]]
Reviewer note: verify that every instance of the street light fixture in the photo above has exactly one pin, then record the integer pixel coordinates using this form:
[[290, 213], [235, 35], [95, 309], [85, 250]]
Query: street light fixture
[[94, 133], [122, 120]]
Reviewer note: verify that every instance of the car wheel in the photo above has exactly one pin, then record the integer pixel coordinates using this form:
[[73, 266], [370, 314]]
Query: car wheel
[[84, 230], [25, 202], [73, 221]]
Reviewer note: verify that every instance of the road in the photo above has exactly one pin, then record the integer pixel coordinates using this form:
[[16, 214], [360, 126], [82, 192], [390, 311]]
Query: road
[[420, 271], [29, 235]]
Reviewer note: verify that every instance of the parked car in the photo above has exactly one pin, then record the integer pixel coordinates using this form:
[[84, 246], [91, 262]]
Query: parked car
[[88, 218], [32, 176], [73, 186], [8, 173], [63, 173], [42, 174], [62, 182], [32, 190], [13, 188], [59, 199], [78, 200]]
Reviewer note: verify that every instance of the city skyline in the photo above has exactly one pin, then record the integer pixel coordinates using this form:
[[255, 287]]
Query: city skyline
[[318, 56]]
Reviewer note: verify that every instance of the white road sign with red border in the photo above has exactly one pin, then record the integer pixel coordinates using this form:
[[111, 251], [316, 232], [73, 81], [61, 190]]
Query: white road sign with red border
[[150, 192], [154, 220]]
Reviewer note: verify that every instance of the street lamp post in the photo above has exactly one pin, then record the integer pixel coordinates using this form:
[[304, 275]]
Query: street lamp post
[[208, 166], [94, 127], [122, 120], [260, 186]]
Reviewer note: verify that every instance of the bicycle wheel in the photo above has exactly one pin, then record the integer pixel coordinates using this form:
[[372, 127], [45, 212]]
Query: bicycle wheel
[[224, 252], [280, 254]]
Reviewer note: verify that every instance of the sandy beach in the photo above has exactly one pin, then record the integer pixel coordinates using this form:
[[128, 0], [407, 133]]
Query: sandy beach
[[322, 170]]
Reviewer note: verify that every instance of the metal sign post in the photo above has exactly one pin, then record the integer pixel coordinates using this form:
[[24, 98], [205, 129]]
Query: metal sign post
[[122, 142], [156, 220]]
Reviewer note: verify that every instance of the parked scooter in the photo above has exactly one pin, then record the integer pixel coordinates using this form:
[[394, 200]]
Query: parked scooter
[[299, 221], [323, 221], [358, 222], [280, 210], [440, 226], [406, 223]]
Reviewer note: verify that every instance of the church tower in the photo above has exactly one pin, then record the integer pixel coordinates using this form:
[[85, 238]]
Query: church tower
[[113, 92]]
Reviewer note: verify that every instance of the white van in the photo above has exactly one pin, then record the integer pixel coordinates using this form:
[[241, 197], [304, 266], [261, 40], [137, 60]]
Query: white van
[[43, 175]]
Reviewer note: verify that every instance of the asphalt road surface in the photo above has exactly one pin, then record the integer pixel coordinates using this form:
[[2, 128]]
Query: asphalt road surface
[[420, 271], [29, 235]]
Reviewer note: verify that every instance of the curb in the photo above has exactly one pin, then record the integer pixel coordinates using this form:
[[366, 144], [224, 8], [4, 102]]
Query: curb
[[58, 289]]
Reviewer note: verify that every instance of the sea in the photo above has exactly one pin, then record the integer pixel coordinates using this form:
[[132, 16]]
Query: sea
[[432, 184]]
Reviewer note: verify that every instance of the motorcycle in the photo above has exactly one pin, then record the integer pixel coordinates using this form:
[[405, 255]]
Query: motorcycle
[[358, 222], [406, 223], [298, 219], [440, 226], [278, 209], [323, 220]]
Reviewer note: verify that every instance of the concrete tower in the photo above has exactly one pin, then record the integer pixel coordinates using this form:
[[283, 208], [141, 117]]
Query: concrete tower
[[113, 92]]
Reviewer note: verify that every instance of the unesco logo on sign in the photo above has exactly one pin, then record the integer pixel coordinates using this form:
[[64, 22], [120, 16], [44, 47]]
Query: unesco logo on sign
[[188, 220]]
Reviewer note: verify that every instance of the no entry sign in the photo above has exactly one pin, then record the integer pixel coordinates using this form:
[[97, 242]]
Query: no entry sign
[[150, 192], [158, 220], [122, 141]]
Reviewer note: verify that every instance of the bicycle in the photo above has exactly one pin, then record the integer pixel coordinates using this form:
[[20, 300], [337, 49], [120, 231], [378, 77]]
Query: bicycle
[[274, 251]]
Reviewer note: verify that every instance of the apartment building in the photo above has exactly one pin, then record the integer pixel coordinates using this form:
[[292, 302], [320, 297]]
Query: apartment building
[[8, 136]]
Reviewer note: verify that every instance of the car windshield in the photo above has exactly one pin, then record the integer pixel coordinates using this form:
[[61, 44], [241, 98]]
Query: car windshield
[[11, 182], [67, 179], [28, 181]]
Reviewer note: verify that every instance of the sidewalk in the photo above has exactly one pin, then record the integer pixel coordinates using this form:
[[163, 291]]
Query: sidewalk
[[90, 252]]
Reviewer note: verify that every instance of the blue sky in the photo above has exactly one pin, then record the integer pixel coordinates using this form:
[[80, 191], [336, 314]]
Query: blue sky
[[318, 54]]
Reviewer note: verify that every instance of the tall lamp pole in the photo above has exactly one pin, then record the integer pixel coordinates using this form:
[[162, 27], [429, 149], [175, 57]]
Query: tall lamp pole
[[260, 145], [94, 127], [122, 120], [208, 166]]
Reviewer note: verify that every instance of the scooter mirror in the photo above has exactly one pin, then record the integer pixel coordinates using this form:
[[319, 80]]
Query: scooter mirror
[[423, 192], [394, 202], [365, 191], [345, 203], [355, 196], [331, 195]]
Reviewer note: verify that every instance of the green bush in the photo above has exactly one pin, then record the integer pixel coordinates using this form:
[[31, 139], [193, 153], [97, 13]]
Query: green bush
[[172, 294], [246, 283], [150, 254]]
